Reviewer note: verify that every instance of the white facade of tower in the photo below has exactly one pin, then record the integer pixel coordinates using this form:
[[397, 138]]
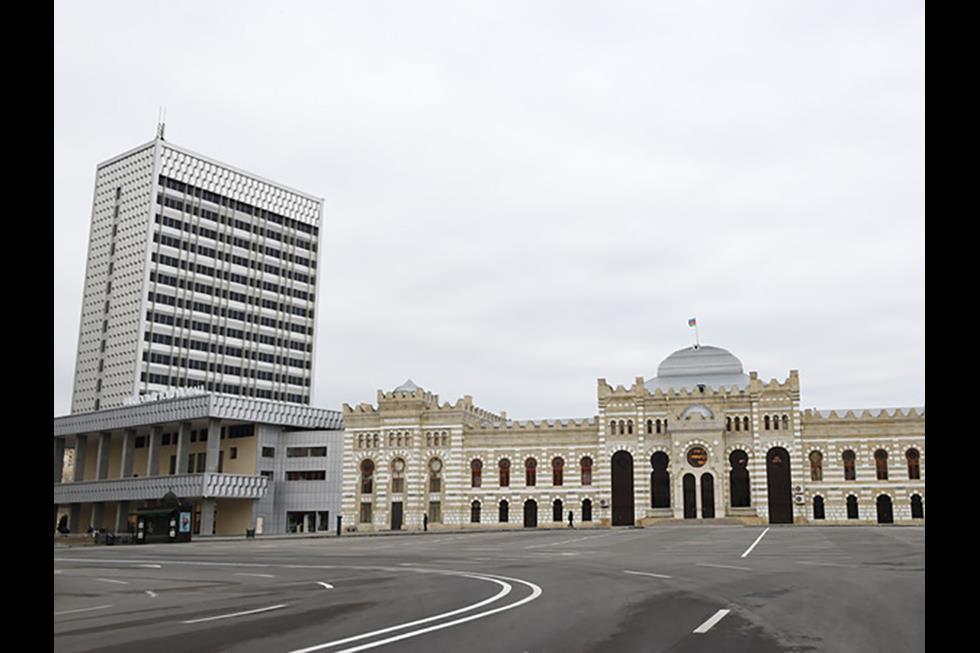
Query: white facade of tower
[[198, 275]]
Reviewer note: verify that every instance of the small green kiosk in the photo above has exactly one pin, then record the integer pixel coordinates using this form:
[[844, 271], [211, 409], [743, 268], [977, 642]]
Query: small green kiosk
[[163, 520]]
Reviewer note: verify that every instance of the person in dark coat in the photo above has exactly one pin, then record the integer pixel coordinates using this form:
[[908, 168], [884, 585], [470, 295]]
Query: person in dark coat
[[570, 519], [425, 521]]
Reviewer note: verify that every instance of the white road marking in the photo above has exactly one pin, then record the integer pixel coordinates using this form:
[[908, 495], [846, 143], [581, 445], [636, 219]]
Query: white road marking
[[749, 550], [109, 580], [259, 575], [235, 614], [151, 566], [98, 607], [644, 573], [327, 586], [535, 593], [499, 595], [706, 564], [706, 626], [152, 595]]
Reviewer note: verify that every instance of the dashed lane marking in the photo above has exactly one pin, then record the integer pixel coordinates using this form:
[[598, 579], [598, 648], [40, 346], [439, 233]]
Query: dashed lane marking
[[644, 573], [707, 564], [235, 614], [749, 550], [97, 607], [715, 618]]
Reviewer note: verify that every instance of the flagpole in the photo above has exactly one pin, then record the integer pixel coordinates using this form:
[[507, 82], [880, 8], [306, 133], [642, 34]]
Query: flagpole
[[697, 337]]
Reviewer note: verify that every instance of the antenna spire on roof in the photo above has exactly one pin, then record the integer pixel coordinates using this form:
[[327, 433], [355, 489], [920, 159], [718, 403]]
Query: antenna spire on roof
[[161, 121]]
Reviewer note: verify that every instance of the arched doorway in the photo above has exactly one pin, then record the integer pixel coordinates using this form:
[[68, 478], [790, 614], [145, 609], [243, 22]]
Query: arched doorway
[[780, 492], [852, 507], [917, 512], [622, 489], [530, 514], [660, 481], [884, 503], [707, 496], [690, 500], [739, 479], [818, 511]]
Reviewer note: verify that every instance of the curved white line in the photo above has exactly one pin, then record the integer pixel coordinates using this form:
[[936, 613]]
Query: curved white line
[[535, 593], [499, 595]]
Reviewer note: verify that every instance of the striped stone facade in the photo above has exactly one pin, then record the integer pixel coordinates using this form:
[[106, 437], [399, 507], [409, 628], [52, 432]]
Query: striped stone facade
[[702, 428]]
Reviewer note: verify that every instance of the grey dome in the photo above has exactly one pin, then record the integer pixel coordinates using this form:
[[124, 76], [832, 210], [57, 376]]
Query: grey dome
[[408, 386], [705, 365], [700, 360]]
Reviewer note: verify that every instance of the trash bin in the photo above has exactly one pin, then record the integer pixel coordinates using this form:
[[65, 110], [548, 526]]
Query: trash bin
[[110, 539], [250, 533]]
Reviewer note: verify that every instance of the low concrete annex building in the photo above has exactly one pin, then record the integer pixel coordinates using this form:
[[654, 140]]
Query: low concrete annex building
[[244, 463], [700, 440]]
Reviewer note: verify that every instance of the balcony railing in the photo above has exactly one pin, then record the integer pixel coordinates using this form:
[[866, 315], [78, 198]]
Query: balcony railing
[[206, 485]]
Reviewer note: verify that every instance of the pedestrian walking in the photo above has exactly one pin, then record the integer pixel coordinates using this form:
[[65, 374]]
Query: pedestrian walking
[[570, 519], [425, 521]]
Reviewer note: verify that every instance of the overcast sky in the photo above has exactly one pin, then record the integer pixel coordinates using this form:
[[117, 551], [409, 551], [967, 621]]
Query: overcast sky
[[522, 197]]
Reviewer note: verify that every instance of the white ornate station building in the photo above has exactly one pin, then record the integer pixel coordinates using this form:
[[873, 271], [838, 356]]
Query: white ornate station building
[[701, 440]]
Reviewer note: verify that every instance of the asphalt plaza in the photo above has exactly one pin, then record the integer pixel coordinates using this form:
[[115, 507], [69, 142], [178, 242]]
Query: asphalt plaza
[[663, 588]]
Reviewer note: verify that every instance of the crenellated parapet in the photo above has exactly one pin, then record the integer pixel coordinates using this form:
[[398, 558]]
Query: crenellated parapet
[[868, 423]]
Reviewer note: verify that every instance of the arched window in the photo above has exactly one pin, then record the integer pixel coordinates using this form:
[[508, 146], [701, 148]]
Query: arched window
[[556, 510], [739, 479], [917, 507], [435, 491], [745, 423], [586, 471], [530, 472], [852, 507], [476, 472], [622, 427], [502, 512], [504, 466], [818, 512], [737, 424], [587, 510], [775, 422], [360, 441], [367, 476], [649, 426], [435, 477], [428, 438], [912, 457], [397, 476], [816, 466], [658, 426], [848, 457], [881, 464], [629, 426], [767, 422], [375, 440], [475, 512], [659, 481], [557, 471], [728, 423], [785, 423]]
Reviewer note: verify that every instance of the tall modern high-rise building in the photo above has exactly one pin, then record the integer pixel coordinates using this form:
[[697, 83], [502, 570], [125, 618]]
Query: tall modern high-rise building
[[199, 275]]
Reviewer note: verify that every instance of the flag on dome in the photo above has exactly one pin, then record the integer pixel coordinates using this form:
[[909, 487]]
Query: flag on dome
[[692, 322]]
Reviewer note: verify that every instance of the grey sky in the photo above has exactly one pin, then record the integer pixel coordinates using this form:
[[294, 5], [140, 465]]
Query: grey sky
[[523, 197]]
